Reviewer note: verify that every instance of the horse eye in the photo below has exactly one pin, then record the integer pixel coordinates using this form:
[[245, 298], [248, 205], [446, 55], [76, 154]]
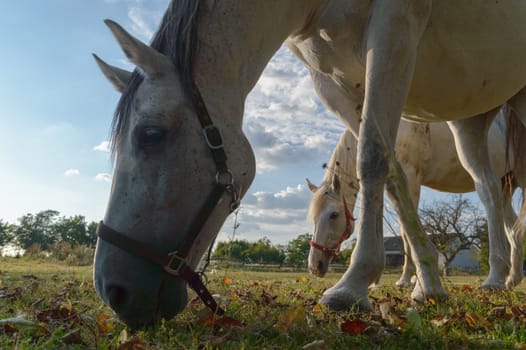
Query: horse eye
[[334, 215], [150, 138]]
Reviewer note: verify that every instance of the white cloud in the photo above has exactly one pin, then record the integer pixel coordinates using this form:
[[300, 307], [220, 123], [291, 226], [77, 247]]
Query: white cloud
[[104, 177], [104, 146], [71, 172], [284, 119]]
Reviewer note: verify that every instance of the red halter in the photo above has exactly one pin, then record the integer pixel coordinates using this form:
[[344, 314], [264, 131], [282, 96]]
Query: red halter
[[333, 252]]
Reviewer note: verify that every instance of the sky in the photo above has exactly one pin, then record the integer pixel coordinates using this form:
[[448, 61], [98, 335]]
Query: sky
[[56, 108]]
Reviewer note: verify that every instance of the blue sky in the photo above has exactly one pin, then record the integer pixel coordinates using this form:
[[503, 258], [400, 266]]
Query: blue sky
[[56, 109]]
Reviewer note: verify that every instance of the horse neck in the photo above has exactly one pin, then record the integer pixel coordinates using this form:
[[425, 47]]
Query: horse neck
[[238, 38], [343, 164]]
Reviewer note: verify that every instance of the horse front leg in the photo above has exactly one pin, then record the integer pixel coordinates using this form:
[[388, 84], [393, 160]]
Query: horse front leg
[[392, 39], [472, 147]]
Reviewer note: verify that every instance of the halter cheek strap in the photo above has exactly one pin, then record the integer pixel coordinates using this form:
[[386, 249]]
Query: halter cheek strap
[[333, 252]]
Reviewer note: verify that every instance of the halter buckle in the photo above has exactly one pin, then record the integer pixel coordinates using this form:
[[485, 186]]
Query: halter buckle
[[174, 257], [225, 178], [213, 137]]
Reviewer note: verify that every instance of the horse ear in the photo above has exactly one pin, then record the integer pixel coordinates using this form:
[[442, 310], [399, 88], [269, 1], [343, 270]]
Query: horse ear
[[336, 184], [151, 62], [118, 77], [312, 186]]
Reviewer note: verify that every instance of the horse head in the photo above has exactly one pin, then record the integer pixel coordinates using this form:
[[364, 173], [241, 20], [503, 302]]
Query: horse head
[[332, 224], [181, 166]]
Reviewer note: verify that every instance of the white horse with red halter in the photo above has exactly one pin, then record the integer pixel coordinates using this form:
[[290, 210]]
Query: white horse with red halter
[[433, 60], [332, 249], [434, 165]]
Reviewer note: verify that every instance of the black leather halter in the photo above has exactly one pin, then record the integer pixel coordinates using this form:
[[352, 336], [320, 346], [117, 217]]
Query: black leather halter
[[174, 262]]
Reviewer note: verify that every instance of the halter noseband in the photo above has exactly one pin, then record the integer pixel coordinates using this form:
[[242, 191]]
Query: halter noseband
[[333, 252], [174, 262]]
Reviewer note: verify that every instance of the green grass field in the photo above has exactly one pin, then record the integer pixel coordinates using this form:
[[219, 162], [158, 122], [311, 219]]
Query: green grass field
[[52, 306]]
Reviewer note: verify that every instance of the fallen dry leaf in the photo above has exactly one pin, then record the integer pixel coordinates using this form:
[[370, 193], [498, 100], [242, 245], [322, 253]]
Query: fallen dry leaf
[[439, 321], [104, 323], [353, 327], [293, 315], [16, 324], [134, 343], [475, 320]]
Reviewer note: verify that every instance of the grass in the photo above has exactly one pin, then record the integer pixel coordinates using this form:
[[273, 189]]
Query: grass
[[52, 306]]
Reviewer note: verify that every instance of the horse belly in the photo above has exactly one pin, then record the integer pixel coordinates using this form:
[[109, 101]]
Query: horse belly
[[471, 58], [444, 172]]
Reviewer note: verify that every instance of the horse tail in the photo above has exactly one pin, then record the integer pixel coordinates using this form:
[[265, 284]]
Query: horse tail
[[515, 145]]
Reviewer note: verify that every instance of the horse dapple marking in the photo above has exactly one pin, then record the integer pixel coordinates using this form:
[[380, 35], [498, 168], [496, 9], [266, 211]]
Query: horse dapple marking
[[427, 155], [431, 60]]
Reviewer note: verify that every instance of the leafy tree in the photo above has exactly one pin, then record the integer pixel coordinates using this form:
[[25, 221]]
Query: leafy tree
[[453, 225], [6, 234], [261, 251], [234, 250], [264, 252], [298, 250], [36, 229], [75, 231]]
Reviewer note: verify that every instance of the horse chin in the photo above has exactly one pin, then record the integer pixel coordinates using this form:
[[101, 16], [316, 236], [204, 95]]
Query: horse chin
[[139, 292]]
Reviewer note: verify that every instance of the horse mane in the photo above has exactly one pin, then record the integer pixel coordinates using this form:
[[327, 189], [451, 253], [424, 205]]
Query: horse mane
[[343, 161], [342, 164], [175, 38]]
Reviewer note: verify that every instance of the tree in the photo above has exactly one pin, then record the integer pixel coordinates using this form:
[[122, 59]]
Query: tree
[[262, 251], [453, 225], [36, 229], [234, 250], [75, 231], [6, 234], [298, 250]]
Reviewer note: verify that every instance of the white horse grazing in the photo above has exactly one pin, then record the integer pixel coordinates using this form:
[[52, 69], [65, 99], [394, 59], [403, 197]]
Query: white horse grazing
[[172, 189], [427, 155]]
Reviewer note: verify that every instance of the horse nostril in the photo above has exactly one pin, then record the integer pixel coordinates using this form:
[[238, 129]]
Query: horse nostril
[[117, 297], [319, 265]]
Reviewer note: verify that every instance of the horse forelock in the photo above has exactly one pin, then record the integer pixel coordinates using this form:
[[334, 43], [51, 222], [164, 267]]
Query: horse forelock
[[176, 38]]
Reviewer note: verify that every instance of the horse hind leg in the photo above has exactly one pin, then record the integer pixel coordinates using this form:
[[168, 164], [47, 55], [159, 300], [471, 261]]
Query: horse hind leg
[[516, 145], [514, 231], [472, 151], [408, 269]]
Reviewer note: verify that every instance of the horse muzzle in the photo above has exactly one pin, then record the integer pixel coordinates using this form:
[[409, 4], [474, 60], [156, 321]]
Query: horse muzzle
[[139, 291]]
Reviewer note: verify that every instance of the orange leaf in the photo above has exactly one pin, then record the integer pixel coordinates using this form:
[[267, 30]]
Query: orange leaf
[[466, 288], [227, 280], [104, 323], [353, 327]]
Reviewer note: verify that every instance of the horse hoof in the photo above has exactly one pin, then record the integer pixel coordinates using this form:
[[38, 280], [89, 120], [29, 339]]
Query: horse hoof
[[491, 285], [345, 302], [403, 284], [513, 282], [418, 296]]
